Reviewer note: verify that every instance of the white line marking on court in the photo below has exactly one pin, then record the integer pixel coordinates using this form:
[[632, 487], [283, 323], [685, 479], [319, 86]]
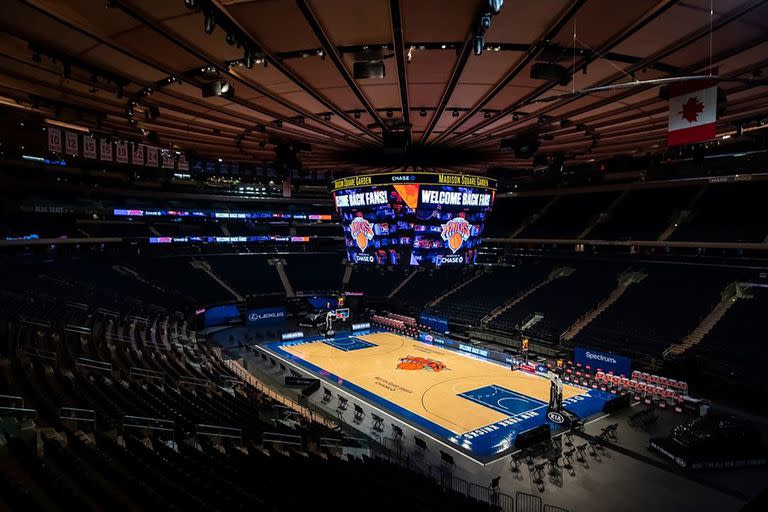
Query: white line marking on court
[[346, 391]]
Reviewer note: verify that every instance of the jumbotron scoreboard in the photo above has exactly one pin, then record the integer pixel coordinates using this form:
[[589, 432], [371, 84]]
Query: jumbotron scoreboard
[[413, 218]]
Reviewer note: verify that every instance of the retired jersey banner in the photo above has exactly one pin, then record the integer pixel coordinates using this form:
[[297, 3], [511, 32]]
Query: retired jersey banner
[[121, 152], [106, 150], [137, 155], [692, 112], [182, 164], [167, 159], [89, 147], [151, 157], [70, 140], [54, 140]]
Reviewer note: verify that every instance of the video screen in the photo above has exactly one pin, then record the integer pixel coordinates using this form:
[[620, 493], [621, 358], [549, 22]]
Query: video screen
[[413, 219]]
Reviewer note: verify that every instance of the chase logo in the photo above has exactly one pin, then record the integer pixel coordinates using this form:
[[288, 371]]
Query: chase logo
[[404, 177], [456, 232], [555, 417], [361, 232]]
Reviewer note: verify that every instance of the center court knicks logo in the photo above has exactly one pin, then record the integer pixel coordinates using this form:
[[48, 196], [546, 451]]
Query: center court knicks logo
[[420, 363], [361, 232], [456, 232]]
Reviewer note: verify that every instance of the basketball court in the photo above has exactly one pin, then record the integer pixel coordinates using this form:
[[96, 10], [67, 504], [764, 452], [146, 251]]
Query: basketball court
[[465, 400]]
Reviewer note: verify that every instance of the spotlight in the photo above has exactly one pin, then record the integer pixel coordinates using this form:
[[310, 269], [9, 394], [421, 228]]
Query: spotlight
[[209, 22], [278, 123], [479, 45], [249, 58], [152, 113], [231, 38], [515, 117], [357, 114], [300, 119], [221, 88], [455, 113], [487, 115], [423, 112], [495, 6], [485, 23], [327, 117], [389, 113], [191, 4]]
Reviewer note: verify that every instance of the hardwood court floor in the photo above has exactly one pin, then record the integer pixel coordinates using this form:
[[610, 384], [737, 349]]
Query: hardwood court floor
[[432, 391]]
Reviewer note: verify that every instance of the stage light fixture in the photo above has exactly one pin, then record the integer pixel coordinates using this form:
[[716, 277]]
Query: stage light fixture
[[209, 22], [423, 112], [357, 114], [191, 4], [327, 117], [249, 58], [222, 88], [515, 117], [231, 38], [495, 6], [455, 113], [389, 113], [484, 23], [479, 43]]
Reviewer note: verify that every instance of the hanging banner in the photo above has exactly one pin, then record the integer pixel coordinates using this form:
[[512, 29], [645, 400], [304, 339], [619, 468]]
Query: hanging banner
[[692, 112], [54, 140], [121, 152], [182, 164], [167, 159], [151, 157], [106, 150], [89, 147], [137, 155], [70, 140]]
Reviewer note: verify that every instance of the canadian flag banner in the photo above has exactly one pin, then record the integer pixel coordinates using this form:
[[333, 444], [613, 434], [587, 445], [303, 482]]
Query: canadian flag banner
[[137, 155], [151, 157], [121, 152], [70, 140], [106, 150], [692, 112], [89, 147], [54, 140]]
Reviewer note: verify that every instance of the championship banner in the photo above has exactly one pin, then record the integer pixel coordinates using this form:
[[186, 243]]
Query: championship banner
[[167, 159], [137, 155], [151, 157], [70, 139], [692, 112], [54, 140], [121, 152], [106, 150], [182, 164], [89, 147]]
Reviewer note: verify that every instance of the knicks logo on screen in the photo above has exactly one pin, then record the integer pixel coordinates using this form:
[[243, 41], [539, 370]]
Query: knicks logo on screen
[[456, 232], [420, 363], [361, 232]]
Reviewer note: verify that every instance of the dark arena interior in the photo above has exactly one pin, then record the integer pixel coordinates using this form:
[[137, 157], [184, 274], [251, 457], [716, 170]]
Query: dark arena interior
[[384, 255]]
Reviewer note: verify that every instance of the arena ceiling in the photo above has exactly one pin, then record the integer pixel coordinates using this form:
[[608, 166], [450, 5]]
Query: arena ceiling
[[114, 61]]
